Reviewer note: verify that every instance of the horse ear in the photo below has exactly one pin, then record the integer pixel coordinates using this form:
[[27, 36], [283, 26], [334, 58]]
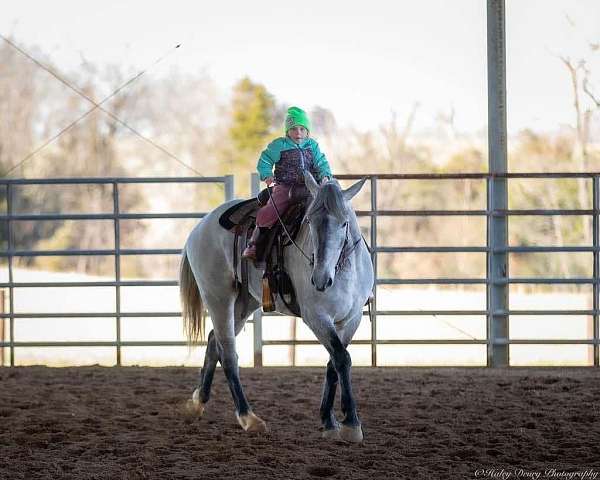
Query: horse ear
[[311, 183], [351, 191]]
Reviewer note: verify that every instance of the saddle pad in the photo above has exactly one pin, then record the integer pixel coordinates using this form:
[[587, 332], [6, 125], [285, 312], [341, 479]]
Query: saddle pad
[[238, 213]]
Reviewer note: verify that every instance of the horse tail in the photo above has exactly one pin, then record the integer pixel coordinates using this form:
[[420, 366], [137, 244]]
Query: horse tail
[[192, 309]]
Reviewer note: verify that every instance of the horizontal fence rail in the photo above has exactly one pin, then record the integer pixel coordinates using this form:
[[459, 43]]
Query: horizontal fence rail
[[116, 216], [9, 253]]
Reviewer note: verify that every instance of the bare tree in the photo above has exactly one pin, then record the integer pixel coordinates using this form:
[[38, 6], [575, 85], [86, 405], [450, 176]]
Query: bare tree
[[579, 76]]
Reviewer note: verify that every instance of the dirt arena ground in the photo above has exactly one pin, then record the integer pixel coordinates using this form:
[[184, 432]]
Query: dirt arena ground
[[128, 423]]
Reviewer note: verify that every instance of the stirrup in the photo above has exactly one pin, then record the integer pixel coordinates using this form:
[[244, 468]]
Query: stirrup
[[268, 304]]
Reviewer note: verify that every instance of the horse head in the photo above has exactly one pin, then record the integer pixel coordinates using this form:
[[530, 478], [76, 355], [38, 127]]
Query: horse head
[[330, 218]]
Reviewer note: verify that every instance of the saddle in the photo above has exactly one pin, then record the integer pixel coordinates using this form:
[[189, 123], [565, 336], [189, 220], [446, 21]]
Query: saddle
[[240, 219]]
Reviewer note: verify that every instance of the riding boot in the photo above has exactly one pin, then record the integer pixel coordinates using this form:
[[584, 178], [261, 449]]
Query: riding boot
[[250, 251]]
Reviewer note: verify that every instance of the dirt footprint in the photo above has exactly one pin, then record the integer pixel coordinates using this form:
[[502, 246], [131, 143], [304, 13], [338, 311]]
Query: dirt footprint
[[320, 471]]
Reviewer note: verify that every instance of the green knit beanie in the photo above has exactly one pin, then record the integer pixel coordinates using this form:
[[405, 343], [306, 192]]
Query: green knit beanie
[[296, 116]]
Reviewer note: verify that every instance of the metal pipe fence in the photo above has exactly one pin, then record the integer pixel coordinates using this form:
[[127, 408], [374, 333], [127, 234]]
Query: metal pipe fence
[[496, 280], [497, 309], [10, 253]]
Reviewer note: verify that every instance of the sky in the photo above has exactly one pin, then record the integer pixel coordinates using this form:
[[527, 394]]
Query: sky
[[362, 60]]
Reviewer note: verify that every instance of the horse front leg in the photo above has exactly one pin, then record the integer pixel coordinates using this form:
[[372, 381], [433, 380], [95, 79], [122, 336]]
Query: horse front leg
[[351, 429], [331, 427]]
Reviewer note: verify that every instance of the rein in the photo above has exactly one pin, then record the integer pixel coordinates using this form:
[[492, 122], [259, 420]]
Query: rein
[[286, 230]]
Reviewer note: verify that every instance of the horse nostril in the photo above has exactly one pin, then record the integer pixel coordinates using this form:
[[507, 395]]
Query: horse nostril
[[322, 286]]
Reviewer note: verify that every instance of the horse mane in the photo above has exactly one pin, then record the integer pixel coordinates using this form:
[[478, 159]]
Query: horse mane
[[330, 198]]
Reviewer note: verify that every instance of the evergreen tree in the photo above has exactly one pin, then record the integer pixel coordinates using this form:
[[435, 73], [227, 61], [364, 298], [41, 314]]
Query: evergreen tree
[[253, 109]]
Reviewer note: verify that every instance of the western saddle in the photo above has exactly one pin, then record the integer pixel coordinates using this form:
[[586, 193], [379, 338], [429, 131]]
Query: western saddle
[[240, 219]]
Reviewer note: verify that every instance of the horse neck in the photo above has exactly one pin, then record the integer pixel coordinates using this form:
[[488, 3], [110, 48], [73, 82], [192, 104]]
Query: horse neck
[[303, 238], [355, 232]]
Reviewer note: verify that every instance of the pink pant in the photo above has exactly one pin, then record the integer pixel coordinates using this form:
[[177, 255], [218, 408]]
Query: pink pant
[[267, 215]]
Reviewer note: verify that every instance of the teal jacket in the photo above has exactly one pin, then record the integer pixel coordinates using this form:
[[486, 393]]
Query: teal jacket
[[285, 148]]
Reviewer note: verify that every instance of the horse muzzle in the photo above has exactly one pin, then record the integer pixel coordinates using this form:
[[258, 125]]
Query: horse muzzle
[[321, 282]]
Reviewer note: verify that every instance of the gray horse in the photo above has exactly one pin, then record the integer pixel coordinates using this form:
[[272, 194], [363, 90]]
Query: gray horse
[[331, 291]]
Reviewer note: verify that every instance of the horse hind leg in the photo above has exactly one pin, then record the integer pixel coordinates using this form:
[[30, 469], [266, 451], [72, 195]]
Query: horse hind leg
[[226, 327], [242, 310], [245, 417], [201, 394]]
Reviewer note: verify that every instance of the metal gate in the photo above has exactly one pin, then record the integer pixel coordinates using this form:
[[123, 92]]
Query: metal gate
[[116, 216], [496, 250]]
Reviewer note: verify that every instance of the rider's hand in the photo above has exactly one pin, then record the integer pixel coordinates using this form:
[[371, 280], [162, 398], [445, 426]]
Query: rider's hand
[[269, 181]]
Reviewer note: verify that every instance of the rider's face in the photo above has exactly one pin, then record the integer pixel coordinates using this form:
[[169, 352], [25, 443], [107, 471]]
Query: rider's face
[[297, 133]]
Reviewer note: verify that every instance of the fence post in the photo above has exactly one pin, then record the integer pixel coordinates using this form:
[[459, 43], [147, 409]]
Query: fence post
[[2, 320], [497, 265], [229, 187], [257, 318], [596, 256], [374, 260], [11, 290], [117, 239]]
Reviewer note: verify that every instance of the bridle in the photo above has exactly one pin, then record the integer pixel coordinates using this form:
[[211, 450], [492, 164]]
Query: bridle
[[345, 253]]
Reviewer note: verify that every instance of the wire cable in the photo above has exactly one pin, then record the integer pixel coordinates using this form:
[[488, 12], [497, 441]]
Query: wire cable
[[95, 107]]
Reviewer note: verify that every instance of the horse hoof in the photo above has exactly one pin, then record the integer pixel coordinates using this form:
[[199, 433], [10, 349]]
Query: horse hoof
[[195, 406], [252, 423], [332, 434], [351, 434]]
